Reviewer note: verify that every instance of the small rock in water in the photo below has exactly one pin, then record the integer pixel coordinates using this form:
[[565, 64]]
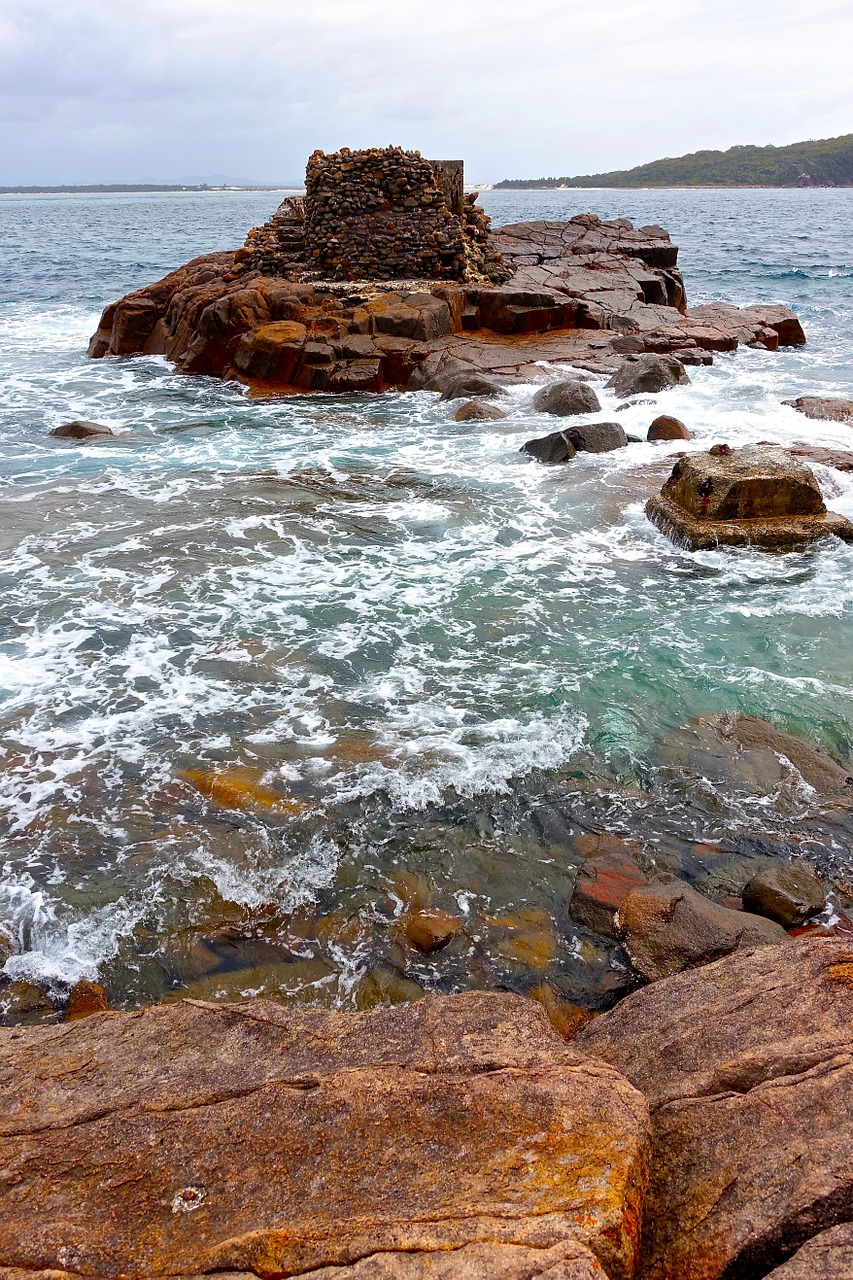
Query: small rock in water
[[666, 926], [601, 886], [822, 408], [472, 384], [81, 430], [566, 1018], [564, 399], [789, 894], [7, 946], [478, 411], [430, 930], [668, 428], [18, 999], [550, 450], [597, 437], [86, 998], [648, 373], [383, 986], [693, 355]]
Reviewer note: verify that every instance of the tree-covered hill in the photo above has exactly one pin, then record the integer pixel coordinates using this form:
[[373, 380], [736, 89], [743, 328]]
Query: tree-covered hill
[[827, 162]]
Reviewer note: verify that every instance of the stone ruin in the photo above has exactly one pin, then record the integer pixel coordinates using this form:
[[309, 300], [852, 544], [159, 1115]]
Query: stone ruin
[[379, 214]]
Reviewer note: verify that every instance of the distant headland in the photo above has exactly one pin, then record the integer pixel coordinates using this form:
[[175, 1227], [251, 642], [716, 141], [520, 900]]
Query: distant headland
[[827, 162], [130, 188]]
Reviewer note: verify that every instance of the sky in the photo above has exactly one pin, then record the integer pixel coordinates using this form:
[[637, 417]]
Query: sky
[[194, 90]]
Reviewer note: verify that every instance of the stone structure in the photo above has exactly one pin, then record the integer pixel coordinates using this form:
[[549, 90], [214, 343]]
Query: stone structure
[[380, 214], [756, 496]]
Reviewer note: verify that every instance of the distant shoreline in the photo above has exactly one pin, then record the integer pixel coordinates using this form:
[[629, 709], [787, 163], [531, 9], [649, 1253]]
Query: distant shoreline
[[140, 188], [675, 186]]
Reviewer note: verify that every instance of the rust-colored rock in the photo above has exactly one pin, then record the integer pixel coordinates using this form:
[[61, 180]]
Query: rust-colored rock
[[430, 929], [822, 408], [789, 894], [85, 999], [748, 1067], [666, 926], [479, 411], [666, 427], [194, 1138], [756, 496], [601, 886]]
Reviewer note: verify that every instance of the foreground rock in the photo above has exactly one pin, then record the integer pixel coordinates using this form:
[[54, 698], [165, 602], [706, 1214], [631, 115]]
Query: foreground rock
[[756, 496], [748, 1067], [746, 753], [822, 408], [666, 926], [789, 894], [828, 1256], [194, 1138]]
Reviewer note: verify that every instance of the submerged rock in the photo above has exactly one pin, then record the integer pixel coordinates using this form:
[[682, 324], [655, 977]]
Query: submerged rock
[[666, 926], [823, 408], [385, 987], [748, 1068], [601, 886], [81, 430], [479, 411], [648, 373], [789, 894], [756, 496], [430, 929], [668, 428], [565, 399], [85, 999], [21, 998], [247, 1138]]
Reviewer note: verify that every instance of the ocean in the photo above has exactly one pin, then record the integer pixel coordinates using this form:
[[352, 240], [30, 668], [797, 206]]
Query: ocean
[[426, 668]]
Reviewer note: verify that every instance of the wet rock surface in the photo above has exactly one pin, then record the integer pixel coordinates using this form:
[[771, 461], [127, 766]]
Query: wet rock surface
[[756, 496], [550, 450], [155, 1143], [81, 430], [597, 437], [565, 399], [822, 408], [788, 894], [748, 1067], [668, 428], [648, 374], [601, 886], [666, 926], [479, 411]]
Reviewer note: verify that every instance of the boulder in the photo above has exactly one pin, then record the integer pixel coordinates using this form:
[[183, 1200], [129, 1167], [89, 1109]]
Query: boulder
[[827, 1256], [465, 385], [755, 496], [550, 450], [479, 411], [597, 437], [81, 430], [430, 929], [192, 1139], [20, 999], [789, 894], [272, 352], [748, 1067], [666, 926], [601, 886], [648, 374], [668, 428], [85, 999], [822, 408], [744, 752], [564, 399]]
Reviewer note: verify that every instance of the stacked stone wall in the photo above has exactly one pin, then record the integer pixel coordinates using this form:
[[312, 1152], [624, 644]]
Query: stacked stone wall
[[380, 214]]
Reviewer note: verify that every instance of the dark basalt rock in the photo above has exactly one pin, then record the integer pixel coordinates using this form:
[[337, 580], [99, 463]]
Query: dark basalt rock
[[648, 373], [81, 430], [597, 437], [550, 450], [565, 399], [471, 384]]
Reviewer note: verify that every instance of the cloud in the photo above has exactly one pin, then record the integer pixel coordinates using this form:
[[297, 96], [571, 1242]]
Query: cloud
[[98, 91]]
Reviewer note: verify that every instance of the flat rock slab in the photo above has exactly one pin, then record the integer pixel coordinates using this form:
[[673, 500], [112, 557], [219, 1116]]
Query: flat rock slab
[[781, 533], [822, 408], [193, 1138], [748, 1066]]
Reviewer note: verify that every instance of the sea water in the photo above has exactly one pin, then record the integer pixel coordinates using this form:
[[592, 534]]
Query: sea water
[[426, 664]]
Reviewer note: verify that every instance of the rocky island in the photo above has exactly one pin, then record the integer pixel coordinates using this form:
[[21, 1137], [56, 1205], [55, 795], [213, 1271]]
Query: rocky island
[[386, 276]]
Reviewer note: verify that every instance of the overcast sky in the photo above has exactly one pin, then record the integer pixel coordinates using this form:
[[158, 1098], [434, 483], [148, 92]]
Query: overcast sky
[[129, 90]]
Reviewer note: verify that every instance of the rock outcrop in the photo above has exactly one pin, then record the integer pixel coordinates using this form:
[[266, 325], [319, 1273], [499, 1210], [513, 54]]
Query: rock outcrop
[[756, 496], [444, 1136], [822, 408], [748, 1068], [499, 303]]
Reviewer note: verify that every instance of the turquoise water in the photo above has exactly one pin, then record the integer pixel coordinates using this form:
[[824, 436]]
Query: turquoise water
[[432, 662]]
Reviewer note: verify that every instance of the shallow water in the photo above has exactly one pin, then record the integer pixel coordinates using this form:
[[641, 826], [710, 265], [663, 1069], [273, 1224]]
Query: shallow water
[[431, 662]]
